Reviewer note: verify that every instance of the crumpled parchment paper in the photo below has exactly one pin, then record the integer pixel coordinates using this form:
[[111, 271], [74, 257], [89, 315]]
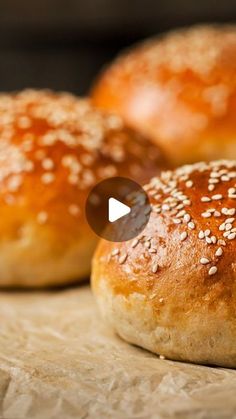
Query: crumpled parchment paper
[[58, 360]]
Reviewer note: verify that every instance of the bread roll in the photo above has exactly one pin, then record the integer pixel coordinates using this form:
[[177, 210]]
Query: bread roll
[[180, 90], [53, 150], [172, 290]]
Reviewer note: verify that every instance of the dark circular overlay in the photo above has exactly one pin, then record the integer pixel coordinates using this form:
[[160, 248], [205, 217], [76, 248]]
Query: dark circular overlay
[[129, 193]]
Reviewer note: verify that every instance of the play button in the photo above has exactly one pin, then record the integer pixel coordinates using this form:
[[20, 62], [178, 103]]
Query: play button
[[117, 209]]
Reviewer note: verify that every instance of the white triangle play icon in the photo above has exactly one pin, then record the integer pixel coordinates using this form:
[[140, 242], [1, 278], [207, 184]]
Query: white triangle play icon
[[116, 210]]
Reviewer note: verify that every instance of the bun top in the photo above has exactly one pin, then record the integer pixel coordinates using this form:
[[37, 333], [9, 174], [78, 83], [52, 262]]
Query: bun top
[[53, 149], [180, 89], [187, 250]]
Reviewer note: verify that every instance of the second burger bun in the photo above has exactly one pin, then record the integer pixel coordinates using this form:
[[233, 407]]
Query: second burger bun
[[180, 90], [53, 149], [172, 289]]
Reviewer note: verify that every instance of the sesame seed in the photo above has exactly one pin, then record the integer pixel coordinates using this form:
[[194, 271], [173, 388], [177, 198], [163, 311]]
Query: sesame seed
[[217, 197], [189, 184], [122, 258], [219, 252], [47, 178], [115, 252], [205, 199], [183, 235], [212, 270], [134, 243], [154, 267], [204, 261], [42, 217], [47, 164], [73, 209]]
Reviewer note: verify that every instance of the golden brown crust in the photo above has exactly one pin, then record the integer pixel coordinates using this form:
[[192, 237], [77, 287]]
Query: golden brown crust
[[53, 149], [182, 267], [180, 90]]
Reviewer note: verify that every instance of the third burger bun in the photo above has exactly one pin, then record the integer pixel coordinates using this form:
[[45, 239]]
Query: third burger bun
[[172, 289], [180, 90]]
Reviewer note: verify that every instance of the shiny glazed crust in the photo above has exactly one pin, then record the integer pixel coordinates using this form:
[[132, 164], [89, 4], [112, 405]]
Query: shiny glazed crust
[[53, 149], [180, 90], [172, 290]]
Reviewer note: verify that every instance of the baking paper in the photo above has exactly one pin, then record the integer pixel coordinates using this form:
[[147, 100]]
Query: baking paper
[[58, 360]]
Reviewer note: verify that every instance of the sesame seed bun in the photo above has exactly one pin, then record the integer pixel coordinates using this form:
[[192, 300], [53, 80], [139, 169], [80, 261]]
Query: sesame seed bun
[[54, 148], [180, 90], [172, 290]]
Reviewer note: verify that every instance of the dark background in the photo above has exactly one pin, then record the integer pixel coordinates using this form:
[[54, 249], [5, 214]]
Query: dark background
[[62, 44]]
